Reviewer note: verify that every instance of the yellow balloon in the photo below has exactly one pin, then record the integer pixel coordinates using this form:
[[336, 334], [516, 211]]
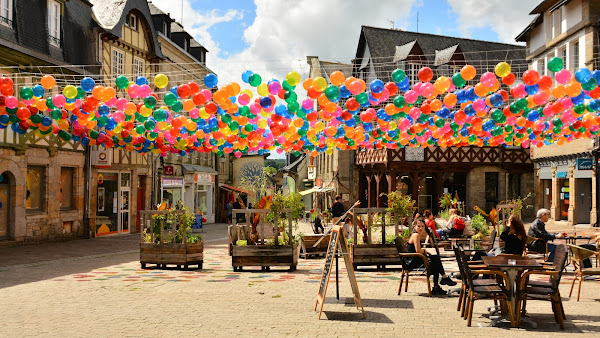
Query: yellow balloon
[[319, 84], [202, 113], [70, 92], [502, 69], [247, 92], [262, 89], [264, 113], [292, 78], [161, 80], [145, 111], [262, 123], [319, 126]]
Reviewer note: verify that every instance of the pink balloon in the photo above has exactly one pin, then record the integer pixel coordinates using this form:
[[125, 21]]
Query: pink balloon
[[563, 76], [145, 90], [59, 100], [411, 96], [488, 79], [206, 94], [274, 87], [133, 91], [11, 102]]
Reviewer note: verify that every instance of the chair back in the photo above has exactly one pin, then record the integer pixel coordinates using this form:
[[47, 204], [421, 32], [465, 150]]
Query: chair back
[[579, 254], [432, 240], [463, 275], [560, 261], [465, 271], [400, 244], [493, 239]]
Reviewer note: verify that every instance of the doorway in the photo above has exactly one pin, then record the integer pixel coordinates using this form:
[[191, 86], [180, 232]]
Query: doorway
[[491, 190], [584, 200], [141, 192], [113, 204], [5, 206]]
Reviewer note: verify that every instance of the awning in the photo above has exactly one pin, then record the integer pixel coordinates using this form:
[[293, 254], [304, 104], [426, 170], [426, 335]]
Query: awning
[[310, 191], [234, 189], [191, 168]]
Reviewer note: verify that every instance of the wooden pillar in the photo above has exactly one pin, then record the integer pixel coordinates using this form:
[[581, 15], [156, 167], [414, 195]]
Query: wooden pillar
[[378, 188], [439, 187], [368, 191]]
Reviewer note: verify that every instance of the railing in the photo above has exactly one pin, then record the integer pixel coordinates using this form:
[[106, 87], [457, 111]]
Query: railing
[[251, 214], [372, 156]]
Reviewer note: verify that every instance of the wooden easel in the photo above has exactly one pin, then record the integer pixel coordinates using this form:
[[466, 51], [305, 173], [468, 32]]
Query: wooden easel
[[338, 241]]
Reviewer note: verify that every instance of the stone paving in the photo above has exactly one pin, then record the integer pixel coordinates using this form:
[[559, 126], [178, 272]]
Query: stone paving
[[97, 288]]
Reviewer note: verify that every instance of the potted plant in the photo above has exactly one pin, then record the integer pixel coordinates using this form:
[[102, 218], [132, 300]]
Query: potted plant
[[169, 241]]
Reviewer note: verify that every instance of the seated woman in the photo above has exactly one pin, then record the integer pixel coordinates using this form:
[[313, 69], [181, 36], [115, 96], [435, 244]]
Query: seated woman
[[455, 226], [435, 264], [514, 237], [430, 222]]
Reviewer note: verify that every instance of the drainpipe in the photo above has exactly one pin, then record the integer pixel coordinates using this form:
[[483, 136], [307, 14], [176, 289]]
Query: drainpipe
[[86, 192]]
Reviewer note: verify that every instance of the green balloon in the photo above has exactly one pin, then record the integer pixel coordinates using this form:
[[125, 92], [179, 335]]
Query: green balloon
[[149, 124], [36, 118], [140, 129], [579, 109], [290, 96], [398, 75], [399, 101], [160, 115], [472, 138], [56, 114], [555, 64], [94, 134], [26, 93], [103, 120], [591, 84], [522, 103], [170, 99], [63, 135], [454, 126], [150, 102], [440, 123], [332, 92], [177, 106], [226, 118], [80, 93], [122, 82], [234, 125], [49, 103], [255, 80], [458, 80], [248, 128], [285, 85], [362, 98]]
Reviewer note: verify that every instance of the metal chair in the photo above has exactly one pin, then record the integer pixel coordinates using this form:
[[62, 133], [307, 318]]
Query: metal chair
[[401, 247], [579, 254], [545, 289]]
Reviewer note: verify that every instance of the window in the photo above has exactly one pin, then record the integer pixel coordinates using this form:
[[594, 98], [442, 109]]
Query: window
[[54, 22], [131, 21], [575, 53], [514, 186], [6, 12], [562, 53], [542, 66], [165, 29], [117, 62], [35, 188], [556, 22], [66, 188], [138, 67]]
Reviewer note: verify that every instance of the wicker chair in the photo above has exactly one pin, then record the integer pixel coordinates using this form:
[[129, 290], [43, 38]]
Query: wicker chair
[[579, 254]]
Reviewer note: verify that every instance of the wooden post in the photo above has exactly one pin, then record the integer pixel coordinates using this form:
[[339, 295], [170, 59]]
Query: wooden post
[[276, 224], [355, 226], [377, 189], [368, 191], [290, 228], [383, 229], [395, 224], [369, 222], [162, 231]]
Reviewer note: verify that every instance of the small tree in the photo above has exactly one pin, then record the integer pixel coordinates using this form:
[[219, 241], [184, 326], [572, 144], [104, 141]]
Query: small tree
[[400, 205]]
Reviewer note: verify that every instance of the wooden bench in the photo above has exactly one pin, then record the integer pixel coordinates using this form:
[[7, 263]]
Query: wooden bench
[[308, 241]]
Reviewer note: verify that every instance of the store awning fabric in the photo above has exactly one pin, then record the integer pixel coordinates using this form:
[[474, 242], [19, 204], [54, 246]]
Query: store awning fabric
[[234, 189], [316, 189]]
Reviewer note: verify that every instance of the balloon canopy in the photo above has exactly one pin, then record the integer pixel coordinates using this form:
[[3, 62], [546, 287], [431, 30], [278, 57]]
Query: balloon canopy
[[313, 115]]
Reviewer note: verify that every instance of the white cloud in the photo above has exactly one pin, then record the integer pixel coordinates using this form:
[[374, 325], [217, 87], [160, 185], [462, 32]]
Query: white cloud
[[505, 17], [285, 32]]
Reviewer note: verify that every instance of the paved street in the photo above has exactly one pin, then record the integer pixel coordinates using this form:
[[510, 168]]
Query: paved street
[[96, 288]]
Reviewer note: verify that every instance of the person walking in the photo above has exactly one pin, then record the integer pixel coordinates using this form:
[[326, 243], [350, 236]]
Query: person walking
[[337, 209], [538, 230], [229, 207]]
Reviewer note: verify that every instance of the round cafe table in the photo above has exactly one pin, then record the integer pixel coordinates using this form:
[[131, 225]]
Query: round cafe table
[[513, 271]]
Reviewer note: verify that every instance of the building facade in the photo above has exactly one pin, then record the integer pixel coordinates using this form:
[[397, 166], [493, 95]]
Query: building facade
[[42, 194], [565, 175], [481, 176]]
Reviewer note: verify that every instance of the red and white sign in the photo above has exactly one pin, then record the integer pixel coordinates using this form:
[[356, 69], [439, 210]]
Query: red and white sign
[[102, 158], [204, 178], [169, 170]]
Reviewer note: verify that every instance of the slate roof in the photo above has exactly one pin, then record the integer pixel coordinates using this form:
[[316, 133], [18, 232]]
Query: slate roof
[[382, 44], [155, 10], [327, 68], [176, 27], [403, 51], [111, 14], [194, 43]]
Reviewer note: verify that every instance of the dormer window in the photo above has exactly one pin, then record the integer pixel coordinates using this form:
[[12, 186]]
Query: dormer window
[[6, 12], [131, 21], [165, 28], [556, 22], [54, 22]]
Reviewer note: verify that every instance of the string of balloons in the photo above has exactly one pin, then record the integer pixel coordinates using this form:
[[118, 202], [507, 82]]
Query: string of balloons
[[466, 109]]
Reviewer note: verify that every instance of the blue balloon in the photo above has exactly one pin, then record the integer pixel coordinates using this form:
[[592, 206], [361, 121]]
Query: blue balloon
[[38, 90], [246, 76], [443, 113], [596, 76], [174, 91], [594, 105], [211, 80], [46, 120], [531, 90], [469, 110], [344, 92], [266, 102], [87, 83], [583, 75], [579, 99], [404, 85], [533, 116], [141, 80], [496, 100], [377, 86], [103, 109]]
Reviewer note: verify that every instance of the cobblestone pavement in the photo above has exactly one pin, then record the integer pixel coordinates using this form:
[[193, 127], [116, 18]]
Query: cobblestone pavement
[[97, 288]]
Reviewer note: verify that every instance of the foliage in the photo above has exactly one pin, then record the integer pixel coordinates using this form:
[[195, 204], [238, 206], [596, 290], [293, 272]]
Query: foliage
[[492, 216], [519, 202], [448, 202], [444, 214], [241, 242], [399, 204], [259, 185], [281, 202], [479, 223], [176, 224], [389, 239], [275, 163]]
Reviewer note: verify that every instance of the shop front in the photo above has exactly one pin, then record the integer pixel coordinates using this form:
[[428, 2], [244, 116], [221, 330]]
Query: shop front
[[171, 190], [113, 202]]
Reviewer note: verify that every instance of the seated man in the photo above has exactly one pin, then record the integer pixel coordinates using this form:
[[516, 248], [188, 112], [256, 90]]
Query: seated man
[[538, 230]]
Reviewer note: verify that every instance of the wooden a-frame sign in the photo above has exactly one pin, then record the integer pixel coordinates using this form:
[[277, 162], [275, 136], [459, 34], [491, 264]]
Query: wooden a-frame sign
[[338, 242]]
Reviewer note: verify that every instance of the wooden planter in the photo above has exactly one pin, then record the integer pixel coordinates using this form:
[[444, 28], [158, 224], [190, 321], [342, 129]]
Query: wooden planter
[[265, 256], [308, 242], [378, 255], [179, 254]]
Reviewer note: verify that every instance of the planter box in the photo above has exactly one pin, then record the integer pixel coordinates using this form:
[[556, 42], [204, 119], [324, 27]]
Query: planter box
[[308, 242], [378, 255], [180, 254], [265, 256]]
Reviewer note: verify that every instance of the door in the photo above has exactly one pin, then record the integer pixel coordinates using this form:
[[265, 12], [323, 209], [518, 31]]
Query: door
[[4, 206], [107, 220], [141, 191], [584, 200], [124, 202], [491, 191]]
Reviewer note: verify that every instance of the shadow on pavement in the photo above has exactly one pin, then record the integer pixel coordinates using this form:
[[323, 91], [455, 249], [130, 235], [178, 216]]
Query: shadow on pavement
[[372, 317], [383, 303]]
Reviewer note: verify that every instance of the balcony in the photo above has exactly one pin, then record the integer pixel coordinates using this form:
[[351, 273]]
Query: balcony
[[372, 156]]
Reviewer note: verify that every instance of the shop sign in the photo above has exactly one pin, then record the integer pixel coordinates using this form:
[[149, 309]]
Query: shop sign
[[561, 174], [102, 158], [204, 178], [414, 154], [585, 163], [172, 181], [318, 182], [169, 170], [312, 172]]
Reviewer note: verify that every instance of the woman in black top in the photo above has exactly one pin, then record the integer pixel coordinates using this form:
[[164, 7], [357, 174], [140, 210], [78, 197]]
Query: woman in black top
[[514, 236], [435, 264]]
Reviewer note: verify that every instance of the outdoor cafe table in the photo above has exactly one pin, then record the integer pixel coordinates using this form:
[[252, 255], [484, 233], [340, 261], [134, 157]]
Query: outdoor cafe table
[[513, 272]]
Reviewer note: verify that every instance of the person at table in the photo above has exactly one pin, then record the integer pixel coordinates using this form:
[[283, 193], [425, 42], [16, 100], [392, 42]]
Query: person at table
[[538, 230], [454, 227], [591, 246], [319, 224], [514, 237], [430, 222], [337, 209], [435, 264]]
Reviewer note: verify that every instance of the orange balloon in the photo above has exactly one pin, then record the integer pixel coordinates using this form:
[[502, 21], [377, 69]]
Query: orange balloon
[[450, 100], [468, 72], [559, 91], [436, 104], [481, 90], [48, 81], [573, 88], [337, 78]]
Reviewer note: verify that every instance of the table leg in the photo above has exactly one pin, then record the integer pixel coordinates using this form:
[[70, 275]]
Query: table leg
[[512, 278]]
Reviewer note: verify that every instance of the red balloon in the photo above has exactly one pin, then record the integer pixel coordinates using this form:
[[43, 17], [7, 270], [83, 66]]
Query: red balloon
[[425, 74]]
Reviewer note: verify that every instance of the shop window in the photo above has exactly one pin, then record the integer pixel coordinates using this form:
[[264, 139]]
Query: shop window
[[514, 186], [34, 196], [118, 60], [54, 21], [565, 196], [125, 180], [546, 194], [6, 13], [66, 188], [200, 203], [491, 190], [575, 55]]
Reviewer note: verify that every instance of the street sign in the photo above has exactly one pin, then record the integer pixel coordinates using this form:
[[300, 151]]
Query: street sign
[[169, 170]]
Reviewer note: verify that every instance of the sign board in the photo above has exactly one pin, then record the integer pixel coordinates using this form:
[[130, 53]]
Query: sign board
[[337, 241], [174, 181], [312, 172], [585, 163], [169, 170], [318, 182], [414, 154], [204, 178], [102, 158], [561, 174]]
